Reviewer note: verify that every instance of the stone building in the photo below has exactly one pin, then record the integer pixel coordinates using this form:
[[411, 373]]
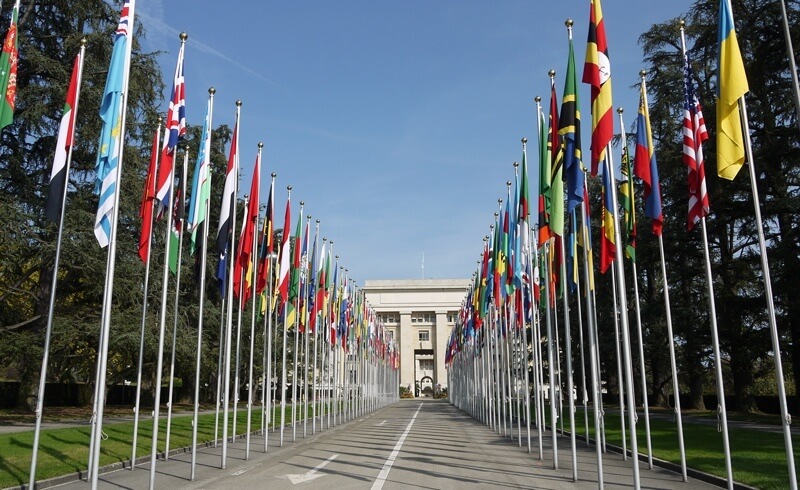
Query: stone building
[[419, 314]]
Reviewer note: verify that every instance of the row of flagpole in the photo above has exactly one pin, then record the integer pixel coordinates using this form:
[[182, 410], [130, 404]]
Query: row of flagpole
[[355, 364], [472, 352]]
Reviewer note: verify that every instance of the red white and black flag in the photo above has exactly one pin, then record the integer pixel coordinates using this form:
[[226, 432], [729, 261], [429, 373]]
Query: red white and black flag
[[66, 138]]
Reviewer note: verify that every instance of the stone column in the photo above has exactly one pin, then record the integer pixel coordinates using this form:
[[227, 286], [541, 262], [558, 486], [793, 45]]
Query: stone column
[[406, 350], [441, 332]]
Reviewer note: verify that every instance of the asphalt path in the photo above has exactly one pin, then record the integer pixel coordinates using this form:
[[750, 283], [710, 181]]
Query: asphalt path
[[424, 444]]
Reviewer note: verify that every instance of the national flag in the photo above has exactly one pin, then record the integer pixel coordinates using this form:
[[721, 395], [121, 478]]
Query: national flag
[[8, 70], [645, 166], [694, 134], [554, 151], [585, 235], [267, 245], [313, 307], [294, 274], [148, 195], [628, 204], [243, 267], [731, 86], [285, 260], [222, 274], [570, 131], [111, 113], [545, 167], [227, 211], [66, 137], [201, 180], [597, 73], [608, 251], [523, 216], [178, 213], [174, 130]]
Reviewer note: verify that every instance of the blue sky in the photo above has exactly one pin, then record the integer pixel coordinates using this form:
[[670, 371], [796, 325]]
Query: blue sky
[[396, 122]]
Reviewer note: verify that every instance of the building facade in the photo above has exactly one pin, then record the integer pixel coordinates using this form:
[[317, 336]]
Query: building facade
[[419, 314]]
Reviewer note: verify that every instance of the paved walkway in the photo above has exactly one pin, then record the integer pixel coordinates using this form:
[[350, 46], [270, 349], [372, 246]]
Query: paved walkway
[[426, 444]]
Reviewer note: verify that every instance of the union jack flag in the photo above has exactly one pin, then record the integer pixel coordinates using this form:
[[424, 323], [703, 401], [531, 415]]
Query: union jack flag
[[694, 134], [174, 130]]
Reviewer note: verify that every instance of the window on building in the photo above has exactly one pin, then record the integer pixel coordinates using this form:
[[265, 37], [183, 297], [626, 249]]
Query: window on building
[[451, 317], [426, 364], [391, 333], [424, 335]]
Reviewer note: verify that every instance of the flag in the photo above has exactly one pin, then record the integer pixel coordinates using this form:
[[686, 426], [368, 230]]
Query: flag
[[243, 267], [523, 217], [645, 165], [148, 195], [178, 212], [628, 204], [222, 274], [267, 246], [174, 130], [201, 180], [285, 260], [111, 112], [8, 70], [570, 131], [597, 73], [694, 134], [294, 273], [544, 183], [227, 211], [66, 138], [608, 251], [731, 86], [556, 204]]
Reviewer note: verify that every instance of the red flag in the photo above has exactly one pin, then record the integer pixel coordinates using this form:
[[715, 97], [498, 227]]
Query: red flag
[[243, 268], [149, 194]]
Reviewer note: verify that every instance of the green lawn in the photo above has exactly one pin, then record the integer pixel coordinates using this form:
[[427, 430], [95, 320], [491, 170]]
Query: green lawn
[[66, 450], [758, 457]]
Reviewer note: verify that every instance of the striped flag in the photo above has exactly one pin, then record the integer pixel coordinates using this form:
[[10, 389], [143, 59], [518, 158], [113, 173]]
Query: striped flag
[[66, 138], [694, 134], [555, 203], [174, 130], [645, 166], [267, 245], [627, 201], [285, 251], [226, 212], [608, 251], [201, 179], [8, 70], [111, 112], [597, 73], [570, 130]]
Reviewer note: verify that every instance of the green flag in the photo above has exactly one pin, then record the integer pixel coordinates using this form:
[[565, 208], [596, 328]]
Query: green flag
[[626, 201], [8, 71]]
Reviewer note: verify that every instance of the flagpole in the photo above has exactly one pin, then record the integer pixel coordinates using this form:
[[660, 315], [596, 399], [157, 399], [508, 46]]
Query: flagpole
[[268, 418], [296, 346], [163, 312], [221, 348], [316, 336], [203, 258], [642, 373], [568, 355], [253, 294], [53, 285], [780, 381], [309, 277], [525, 228], [623, 308], [285, 328], [179, 227], [796, 87], [671, 337], [237, 363], [593, 361], [229, 294], [136, 407], [105, 329]]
